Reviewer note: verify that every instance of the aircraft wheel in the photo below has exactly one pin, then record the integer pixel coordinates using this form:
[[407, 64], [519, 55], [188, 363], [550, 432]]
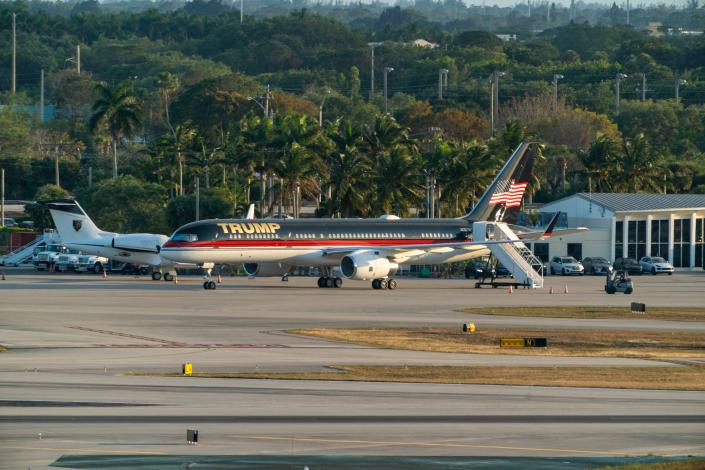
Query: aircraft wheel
[[321, 282], [156, 275], [168, 277], [383, 284], [375, 284], [337, 282], [391, 284], [329, 282], [211, 285], [98, 268]]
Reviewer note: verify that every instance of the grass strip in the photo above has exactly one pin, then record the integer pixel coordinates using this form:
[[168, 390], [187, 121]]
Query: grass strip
[[652, 313], [596, 343], [655, 378], [677, 465]]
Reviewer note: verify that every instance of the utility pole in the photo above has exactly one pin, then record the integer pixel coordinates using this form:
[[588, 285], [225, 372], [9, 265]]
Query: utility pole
[[90, 176], [78, 59], [372, 67], [643, 87], [14, 53], [386, 71], [56, 166], [618, 79], [556, 77], [198, 199], [2, 197], [266, 103], [41, 97], [242, 9], [442, 80], [494, 98], [679, 82], [628, 21]]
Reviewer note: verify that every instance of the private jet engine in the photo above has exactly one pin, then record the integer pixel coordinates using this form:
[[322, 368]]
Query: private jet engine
[[366, 265], [266, 269], [143, 242]]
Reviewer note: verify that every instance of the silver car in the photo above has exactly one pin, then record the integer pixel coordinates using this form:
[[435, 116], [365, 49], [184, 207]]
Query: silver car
[[655, 265], [597, 265], [566, 265]]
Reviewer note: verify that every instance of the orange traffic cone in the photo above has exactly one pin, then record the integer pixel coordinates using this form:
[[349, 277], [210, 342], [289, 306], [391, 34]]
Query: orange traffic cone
[[551, 291], [220, 279], [105, 274], [565, 291], [51, 268], [510, 290], [176, 278], [3, 275]]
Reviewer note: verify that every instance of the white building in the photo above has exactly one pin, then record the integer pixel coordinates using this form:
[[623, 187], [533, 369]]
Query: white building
[[631, 225]]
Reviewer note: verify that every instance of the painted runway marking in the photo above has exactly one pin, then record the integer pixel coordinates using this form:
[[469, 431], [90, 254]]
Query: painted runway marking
[[427, 444], [70, 449]]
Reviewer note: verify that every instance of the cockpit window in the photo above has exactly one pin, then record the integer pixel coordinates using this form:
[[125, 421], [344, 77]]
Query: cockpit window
[[185, 237]]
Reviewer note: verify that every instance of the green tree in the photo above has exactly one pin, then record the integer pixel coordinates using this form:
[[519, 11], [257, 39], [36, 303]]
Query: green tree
[[640, 167], [397, 182], [348, 171], [214, 204], [120, 111], [39, 213]]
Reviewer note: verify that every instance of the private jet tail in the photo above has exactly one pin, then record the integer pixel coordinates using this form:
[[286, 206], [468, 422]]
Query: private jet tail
[[250, 212], [72, 222], [502, 199]]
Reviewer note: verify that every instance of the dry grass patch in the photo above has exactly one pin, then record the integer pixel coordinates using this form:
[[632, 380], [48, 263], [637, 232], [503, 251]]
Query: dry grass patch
[[652, 313], [602, 343], [678, 465], [659, 378]]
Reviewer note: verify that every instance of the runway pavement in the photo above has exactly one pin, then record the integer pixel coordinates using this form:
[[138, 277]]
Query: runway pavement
[[71, 339]]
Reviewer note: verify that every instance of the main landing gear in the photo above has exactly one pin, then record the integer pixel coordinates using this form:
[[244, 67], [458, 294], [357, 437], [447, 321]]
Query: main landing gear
[[381, 284], [324, 282]]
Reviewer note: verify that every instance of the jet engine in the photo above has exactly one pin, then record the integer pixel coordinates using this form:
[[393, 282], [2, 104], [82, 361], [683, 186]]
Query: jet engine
[[266, 269], [366, 265], [144, 242]]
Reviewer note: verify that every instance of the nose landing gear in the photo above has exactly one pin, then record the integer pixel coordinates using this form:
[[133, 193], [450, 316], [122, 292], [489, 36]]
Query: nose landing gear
[[209, 283]]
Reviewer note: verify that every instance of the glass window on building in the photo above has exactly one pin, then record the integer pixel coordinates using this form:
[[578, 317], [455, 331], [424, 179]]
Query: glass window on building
[[659, 238], [636, 239], [575, 250], [681, 243], [541, 251], [618, 240], [699, 243]]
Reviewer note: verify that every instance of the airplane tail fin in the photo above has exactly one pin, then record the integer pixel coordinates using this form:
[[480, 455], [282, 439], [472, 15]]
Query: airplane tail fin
[[72, 222], [502, 199], [250, 212]]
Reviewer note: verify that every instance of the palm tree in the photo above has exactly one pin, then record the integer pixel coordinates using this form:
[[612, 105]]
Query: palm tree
[[640, 167], [600, 162], [348, 170], [298, 170], [120, 110], [383, 135], [397, 182], [178, 144], [468, 174]]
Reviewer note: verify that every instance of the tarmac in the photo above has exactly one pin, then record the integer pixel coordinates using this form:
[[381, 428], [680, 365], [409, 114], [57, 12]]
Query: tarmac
[[65, 397]]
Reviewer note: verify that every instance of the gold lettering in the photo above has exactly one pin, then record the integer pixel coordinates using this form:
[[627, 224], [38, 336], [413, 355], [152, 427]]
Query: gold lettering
[[261, 228], [223, 227], [274, 227], [235, 228], [248, 228]]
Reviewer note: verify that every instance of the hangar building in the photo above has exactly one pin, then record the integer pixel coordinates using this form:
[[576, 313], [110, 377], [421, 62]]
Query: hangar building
[[630, 225]]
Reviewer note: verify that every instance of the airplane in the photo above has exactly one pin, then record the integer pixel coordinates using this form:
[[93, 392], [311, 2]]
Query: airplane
[[78, 232], [363, 249]]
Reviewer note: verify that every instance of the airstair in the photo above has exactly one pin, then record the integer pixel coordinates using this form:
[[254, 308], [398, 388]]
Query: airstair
[[23, 255], [526, 268]]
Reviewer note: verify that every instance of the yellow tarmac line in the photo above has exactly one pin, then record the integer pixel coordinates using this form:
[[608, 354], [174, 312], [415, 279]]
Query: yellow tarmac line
[[70, 449], [427, 444]]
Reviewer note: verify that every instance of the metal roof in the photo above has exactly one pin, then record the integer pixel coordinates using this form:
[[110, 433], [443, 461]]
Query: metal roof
[[643, 202]]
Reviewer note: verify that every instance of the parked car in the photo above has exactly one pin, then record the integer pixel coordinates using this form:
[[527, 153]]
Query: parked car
[[27, 224], [91, 263], [566, 265], [45, 257], [597, 265], [630, 265], [66, 262], [9, 222], [655, 265], [478, 268]]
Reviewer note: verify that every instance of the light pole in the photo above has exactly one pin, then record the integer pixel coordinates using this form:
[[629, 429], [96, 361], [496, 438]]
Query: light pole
[[618, 78], [643, 87], [386, 71], [494, 98], [372, 45], [556, 77], [320, 109], [442, 81], [679, 82], [242, 9]]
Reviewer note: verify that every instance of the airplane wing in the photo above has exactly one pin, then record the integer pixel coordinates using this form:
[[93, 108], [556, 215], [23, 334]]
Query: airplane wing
[[404, 251], [550, 232]]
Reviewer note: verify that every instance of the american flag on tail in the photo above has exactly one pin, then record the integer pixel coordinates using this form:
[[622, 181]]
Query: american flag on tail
[[510, 194]]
